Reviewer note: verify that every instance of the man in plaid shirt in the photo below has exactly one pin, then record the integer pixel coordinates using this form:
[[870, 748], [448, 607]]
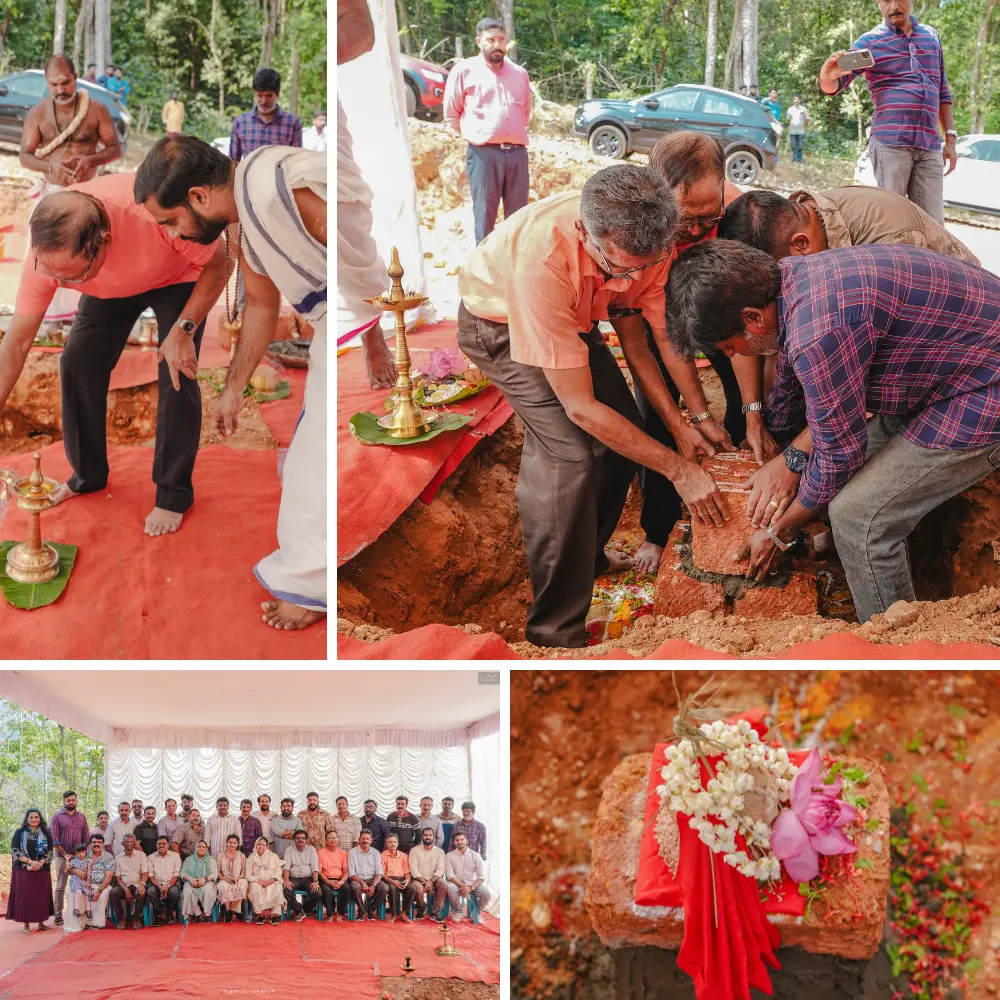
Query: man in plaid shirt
[[899, 332], [266, 124]]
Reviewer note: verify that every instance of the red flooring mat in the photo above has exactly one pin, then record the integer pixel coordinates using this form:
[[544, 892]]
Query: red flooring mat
[[445, 642], [332, 961], [375, 483], [190, 595]]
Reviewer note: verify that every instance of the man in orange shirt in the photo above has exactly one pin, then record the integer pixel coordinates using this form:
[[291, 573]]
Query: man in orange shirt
[[532, 294], [694, 165], [402, 891], [333, 877], [95, 238]]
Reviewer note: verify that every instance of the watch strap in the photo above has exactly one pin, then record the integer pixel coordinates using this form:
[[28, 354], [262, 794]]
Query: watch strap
[[796, 460], [698, 418], [772, 534], [755, 407], [187, 326]]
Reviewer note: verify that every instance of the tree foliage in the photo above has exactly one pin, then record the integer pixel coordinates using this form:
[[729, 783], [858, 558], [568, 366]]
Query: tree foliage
[[206, 49], [638, 46], [39, 760]]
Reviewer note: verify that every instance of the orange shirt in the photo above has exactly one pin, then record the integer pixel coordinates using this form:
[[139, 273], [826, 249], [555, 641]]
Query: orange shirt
[[333, 864], [533, 273], [395, 867], [141, 255]]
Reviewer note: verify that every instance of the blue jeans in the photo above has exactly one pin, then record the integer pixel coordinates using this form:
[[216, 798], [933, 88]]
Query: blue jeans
[[797, 143]]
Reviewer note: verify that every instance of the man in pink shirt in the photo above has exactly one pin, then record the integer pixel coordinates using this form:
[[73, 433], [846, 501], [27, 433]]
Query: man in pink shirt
[[93, 237], [488, 101]]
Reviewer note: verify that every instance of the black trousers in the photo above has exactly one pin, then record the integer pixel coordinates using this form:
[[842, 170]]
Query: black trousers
[[495, 174], [375, 895], [122, 907], [661, 504], [571, 489], [339, 896], [301, 884], [161, 902], [401, 899], [96, 341]]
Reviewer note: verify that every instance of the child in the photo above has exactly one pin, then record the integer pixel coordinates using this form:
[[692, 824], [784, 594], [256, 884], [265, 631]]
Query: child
[[80, 891]]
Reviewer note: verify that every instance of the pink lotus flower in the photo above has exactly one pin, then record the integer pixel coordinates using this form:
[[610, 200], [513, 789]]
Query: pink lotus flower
[[813, 824], [444, 363]]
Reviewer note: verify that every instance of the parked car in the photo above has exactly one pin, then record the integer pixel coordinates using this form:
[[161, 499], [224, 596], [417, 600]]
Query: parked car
[[424, 87], [973, 184], [20, 92], [222, 144], [746, 129]]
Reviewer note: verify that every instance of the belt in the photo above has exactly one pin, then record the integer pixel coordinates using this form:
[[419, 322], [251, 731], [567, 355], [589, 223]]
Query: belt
[[505, 145]]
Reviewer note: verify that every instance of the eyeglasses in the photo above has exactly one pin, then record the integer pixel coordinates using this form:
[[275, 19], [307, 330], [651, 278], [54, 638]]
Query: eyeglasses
[[704, 222], [70, 281], [613, 274]]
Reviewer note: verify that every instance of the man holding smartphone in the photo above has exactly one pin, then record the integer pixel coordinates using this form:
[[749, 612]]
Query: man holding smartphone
[[904, 64]]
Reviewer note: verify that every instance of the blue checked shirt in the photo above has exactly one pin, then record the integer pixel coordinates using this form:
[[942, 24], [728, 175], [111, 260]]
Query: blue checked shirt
[[889, 330], [250, 132], [907, 83]]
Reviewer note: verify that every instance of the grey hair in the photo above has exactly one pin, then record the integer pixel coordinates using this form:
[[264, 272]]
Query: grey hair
[[68, 220], [631, 206]]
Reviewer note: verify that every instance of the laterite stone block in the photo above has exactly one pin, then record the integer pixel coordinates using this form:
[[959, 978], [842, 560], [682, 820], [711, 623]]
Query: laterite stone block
[[713, 548]]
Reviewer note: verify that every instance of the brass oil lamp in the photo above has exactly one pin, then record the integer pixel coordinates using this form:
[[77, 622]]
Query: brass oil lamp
[[33, 561], [448, 949]]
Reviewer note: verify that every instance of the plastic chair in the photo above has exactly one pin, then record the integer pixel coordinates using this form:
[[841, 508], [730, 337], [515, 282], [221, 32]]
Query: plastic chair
[[471, 908], [351, 915], [302, 895]]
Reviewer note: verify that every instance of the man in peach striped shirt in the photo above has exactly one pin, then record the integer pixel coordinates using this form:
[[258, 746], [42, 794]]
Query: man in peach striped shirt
[[488, 101], [532, 295]]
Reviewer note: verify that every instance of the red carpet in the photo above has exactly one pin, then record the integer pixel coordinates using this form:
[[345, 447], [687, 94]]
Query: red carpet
[[375, 483], [335, 962], [191, 595], [445, 642]]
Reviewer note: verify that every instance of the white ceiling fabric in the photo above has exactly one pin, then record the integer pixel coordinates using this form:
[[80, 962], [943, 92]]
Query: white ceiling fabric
[[262, 710]]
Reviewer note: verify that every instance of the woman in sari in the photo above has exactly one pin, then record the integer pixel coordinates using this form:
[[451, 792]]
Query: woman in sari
[[266, 885], [232, 879], [199, 874], [31, 879]]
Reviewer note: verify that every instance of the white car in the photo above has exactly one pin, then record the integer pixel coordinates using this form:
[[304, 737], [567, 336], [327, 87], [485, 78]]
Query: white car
[[973, 184], [222, 145]]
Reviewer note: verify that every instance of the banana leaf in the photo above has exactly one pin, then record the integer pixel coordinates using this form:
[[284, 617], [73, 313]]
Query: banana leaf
[[365, 429], [28, 596], [282, 392], [420, 399]]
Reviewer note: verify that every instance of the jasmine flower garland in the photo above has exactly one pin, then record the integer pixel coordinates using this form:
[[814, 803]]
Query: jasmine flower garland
[[717, 811]]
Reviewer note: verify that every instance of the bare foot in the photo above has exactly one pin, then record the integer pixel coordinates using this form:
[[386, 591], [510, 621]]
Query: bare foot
[[62, 492], [162, 522], [378, 359], [282, 615], [621, 562], [647, 557]]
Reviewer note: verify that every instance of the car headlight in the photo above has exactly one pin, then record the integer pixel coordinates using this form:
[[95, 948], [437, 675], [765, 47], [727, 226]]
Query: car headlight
[[777, 128], [431, 75]]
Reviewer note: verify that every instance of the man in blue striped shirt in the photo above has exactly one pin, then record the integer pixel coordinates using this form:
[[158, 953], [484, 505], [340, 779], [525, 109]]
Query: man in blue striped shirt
[[910, 91]]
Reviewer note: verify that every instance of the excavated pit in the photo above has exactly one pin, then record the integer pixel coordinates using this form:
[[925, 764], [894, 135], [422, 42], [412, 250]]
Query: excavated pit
[[460, 561]]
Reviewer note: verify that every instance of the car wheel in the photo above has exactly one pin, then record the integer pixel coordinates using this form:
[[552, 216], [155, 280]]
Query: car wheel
[[411, 100], [610, 141], [742, 167]]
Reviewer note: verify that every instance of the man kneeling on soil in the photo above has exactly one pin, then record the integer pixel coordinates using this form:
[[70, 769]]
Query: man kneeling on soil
[[900, 332], [93, 237], [811, 223], [277, 197], [532, 294]]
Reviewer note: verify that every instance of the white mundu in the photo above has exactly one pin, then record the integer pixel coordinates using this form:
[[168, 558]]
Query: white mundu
[[277, 244]]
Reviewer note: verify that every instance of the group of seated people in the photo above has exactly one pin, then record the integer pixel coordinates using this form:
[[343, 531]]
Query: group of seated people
[[255, 864]]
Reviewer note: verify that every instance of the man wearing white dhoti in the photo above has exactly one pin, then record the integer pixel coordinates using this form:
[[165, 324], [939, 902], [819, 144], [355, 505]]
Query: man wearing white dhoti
[[275, 200], [361, 272]]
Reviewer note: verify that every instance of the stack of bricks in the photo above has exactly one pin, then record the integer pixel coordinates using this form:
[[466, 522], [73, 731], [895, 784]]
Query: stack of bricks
[[701, 568]]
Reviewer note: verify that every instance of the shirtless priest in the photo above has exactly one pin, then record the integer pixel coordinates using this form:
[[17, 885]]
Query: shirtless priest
[[60, 141], [274, 204]]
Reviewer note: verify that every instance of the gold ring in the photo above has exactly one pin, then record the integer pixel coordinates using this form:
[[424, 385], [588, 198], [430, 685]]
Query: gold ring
[[773, 503]]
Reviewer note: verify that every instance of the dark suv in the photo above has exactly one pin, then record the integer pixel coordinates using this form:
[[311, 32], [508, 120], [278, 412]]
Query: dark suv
[[20, 92], [746, 129]]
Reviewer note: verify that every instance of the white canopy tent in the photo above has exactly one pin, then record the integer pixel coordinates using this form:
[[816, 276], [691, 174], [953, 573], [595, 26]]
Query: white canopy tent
[[363, 734]]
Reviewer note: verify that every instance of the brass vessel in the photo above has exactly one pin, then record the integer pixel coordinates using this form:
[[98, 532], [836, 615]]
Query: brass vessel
[[33, 561], [407, 420], [448, 949]]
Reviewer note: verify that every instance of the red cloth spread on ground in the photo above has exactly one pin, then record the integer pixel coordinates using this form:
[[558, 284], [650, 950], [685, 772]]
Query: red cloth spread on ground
[[190, 595], [294, 960], [447, 642], [375, 483]]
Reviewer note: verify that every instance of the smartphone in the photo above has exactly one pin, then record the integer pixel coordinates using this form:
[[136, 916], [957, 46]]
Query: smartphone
[[856, 59]]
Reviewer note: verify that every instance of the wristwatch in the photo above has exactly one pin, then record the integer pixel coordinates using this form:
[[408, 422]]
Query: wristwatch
[[951, 132], [796, 460], [772, 534], [757, 407], [697, 418], [187, 326]]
